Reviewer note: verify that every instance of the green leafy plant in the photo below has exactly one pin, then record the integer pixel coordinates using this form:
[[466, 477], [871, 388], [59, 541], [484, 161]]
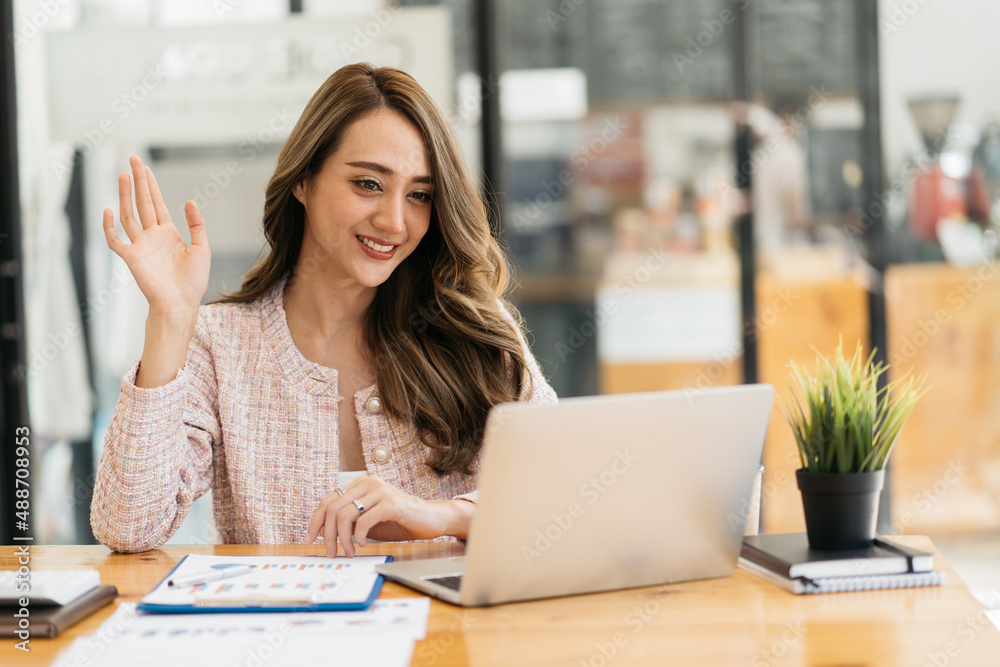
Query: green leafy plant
[[842, 421]]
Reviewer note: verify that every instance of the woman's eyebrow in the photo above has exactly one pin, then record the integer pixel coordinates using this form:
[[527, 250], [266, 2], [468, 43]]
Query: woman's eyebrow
[[387, 171]]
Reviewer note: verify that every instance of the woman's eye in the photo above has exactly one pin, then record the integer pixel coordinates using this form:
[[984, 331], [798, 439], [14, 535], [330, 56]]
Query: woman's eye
[[422, 196], [367, 184]]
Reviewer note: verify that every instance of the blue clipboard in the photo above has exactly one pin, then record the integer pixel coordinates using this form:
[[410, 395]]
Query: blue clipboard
[[258, 607]]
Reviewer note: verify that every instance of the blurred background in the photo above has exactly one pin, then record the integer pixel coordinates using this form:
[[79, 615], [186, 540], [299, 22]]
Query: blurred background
[[693, 193]]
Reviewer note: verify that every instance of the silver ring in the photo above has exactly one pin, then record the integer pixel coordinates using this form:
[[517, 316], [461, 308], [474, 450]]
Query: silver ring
[[340, 490], [357, 503]]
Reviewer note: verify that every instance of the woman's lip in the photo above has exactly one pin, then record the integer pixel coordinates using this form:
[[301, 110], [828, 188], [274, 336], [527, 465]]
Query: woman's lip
[[372, 252], [377, 240]]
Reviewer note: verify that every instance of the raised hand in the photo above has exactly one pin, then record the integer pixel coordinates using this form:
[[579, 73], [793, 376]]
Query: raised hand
[[172, 275]]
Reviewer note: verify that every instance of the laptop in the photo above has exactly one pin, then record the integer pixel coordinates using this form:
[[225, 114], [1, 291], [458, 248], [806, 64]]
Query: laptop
[[601, 493]]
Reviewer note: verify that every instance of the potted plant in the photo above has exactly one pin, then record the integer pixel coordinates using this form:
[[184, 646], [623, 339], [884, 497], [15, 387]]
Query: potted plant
[[845, 427]]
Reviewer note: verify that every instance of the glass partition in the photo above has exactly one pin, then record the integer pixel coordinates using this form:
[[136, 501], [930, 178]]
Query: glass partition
[[618, 148], [942, 210]]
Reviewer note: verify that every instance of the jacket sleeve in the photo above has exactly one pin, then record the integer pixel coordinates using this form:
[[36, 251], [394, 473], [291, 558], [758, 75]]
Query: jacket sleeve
[[157, 456]]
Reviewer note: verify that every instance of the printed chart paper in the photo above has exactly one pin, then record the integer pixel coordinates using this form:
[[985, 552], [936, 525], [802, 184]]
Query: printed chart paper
[[273, 582]]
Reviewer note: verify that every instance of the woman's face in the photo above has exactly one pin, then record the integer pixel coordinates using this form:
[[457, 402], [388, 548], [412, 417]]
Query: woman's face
[[370, 204]]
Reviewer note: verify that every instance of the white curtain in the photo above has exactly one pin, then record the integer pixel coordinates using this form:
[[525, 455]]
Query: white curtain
[[60, 402]]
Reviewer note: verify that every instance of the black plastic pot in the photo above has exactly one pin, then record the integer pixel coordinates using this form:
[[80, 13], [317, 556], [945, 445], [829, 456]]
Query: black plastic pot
[[841, 508]]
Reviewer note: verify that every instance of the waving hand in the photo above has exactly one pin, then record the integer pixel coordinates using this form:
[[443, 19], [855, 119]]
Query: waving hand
[[173, 276]]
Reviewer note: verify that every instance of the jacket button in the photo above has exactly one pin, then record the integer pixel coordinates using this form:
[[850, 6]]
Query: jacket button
[[381, 454], [374, 405]]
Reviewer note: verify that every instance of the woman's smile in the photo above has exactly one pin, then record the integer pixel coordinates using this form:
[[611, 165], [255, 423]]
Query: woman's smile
[[377, 248]]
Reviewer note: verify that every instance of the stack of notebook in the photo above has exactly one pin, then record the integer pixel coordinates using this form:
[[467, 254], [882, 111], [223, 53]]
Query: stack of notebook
[[787, 560], [56, 599]]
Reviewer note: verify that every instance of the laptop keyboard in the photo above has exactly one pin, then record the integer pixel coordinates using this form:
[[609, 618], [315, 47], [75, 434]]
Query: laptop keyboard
[[450, 581]]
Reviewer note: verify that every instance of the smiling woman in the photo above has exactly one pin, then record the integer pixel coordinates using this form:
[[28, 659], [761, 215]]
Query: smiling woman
[[383, 285]]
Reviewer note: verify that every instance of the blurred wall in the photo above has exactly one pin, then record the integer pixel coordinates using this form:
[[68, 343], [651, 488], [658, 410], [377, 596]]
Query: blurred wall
[[928, 48]]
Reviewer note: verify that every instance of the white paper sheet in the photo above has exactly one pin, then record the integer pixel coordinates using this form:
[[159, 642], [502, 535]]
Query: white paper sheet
[[381, 635]]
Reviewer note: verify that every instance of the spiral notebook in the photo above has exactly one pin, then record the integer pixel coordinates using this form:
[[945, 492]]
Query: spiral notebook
[[870, 582]]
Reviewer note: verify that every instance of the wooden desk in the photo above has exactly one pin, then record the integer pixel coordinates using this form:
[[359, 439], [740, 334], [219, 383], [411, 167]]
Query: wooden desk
[[738, 620]]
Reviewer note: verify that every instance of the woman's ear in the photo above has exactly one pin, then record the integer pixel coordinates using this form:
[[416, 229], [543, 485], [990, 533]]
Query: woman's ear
[[299, 190]]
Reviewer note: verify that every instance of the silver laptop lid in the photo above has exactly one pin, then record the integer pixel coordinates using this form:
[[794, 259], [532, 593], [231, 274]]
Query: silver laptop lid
[[608, 492]]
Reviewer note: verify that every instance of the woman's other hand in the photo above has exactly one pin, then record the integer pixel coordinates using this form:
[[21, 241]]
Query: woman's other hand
[[172, 275], [389, 514]]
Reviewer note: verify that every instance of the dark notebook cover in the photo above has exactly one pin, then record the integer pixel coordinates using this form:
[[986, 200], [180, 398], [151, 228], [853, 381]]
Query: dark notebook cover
[[49, 621], [789, 555]]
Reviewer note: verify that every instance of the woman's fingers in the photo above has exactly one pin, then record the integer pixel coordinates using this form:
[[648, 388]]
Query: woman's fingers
[[330, 533], [125, 210], [366, 520], [196, 223], [143, 199], [363, 521], [314, 525], [336, 519], [318, 520], [368, 505], [344, 524], [110, 234], [162, 214]]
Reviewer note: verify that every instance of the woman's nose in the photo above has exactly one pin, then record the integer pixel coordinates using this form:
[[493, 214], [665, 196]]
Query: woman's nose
[[390, 215]]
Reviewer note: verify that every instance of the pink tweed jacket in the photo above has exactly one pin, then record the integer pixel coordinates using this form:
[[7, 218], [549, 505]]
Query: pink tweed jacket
[[252, 419]]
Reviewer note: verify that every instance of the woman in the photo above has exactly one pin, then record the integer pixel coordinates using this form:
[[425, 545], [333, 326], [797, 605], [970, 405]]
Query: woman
[[382, 286]]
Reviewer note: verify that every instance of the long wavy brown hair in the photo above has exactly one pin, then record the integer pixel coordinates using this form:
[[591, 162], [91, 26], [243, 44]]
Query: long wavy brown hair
[[442, 349]]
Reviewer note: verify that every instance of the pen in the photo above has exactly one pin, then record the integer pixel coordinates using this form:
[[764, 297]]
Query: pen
[[220, 573]]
